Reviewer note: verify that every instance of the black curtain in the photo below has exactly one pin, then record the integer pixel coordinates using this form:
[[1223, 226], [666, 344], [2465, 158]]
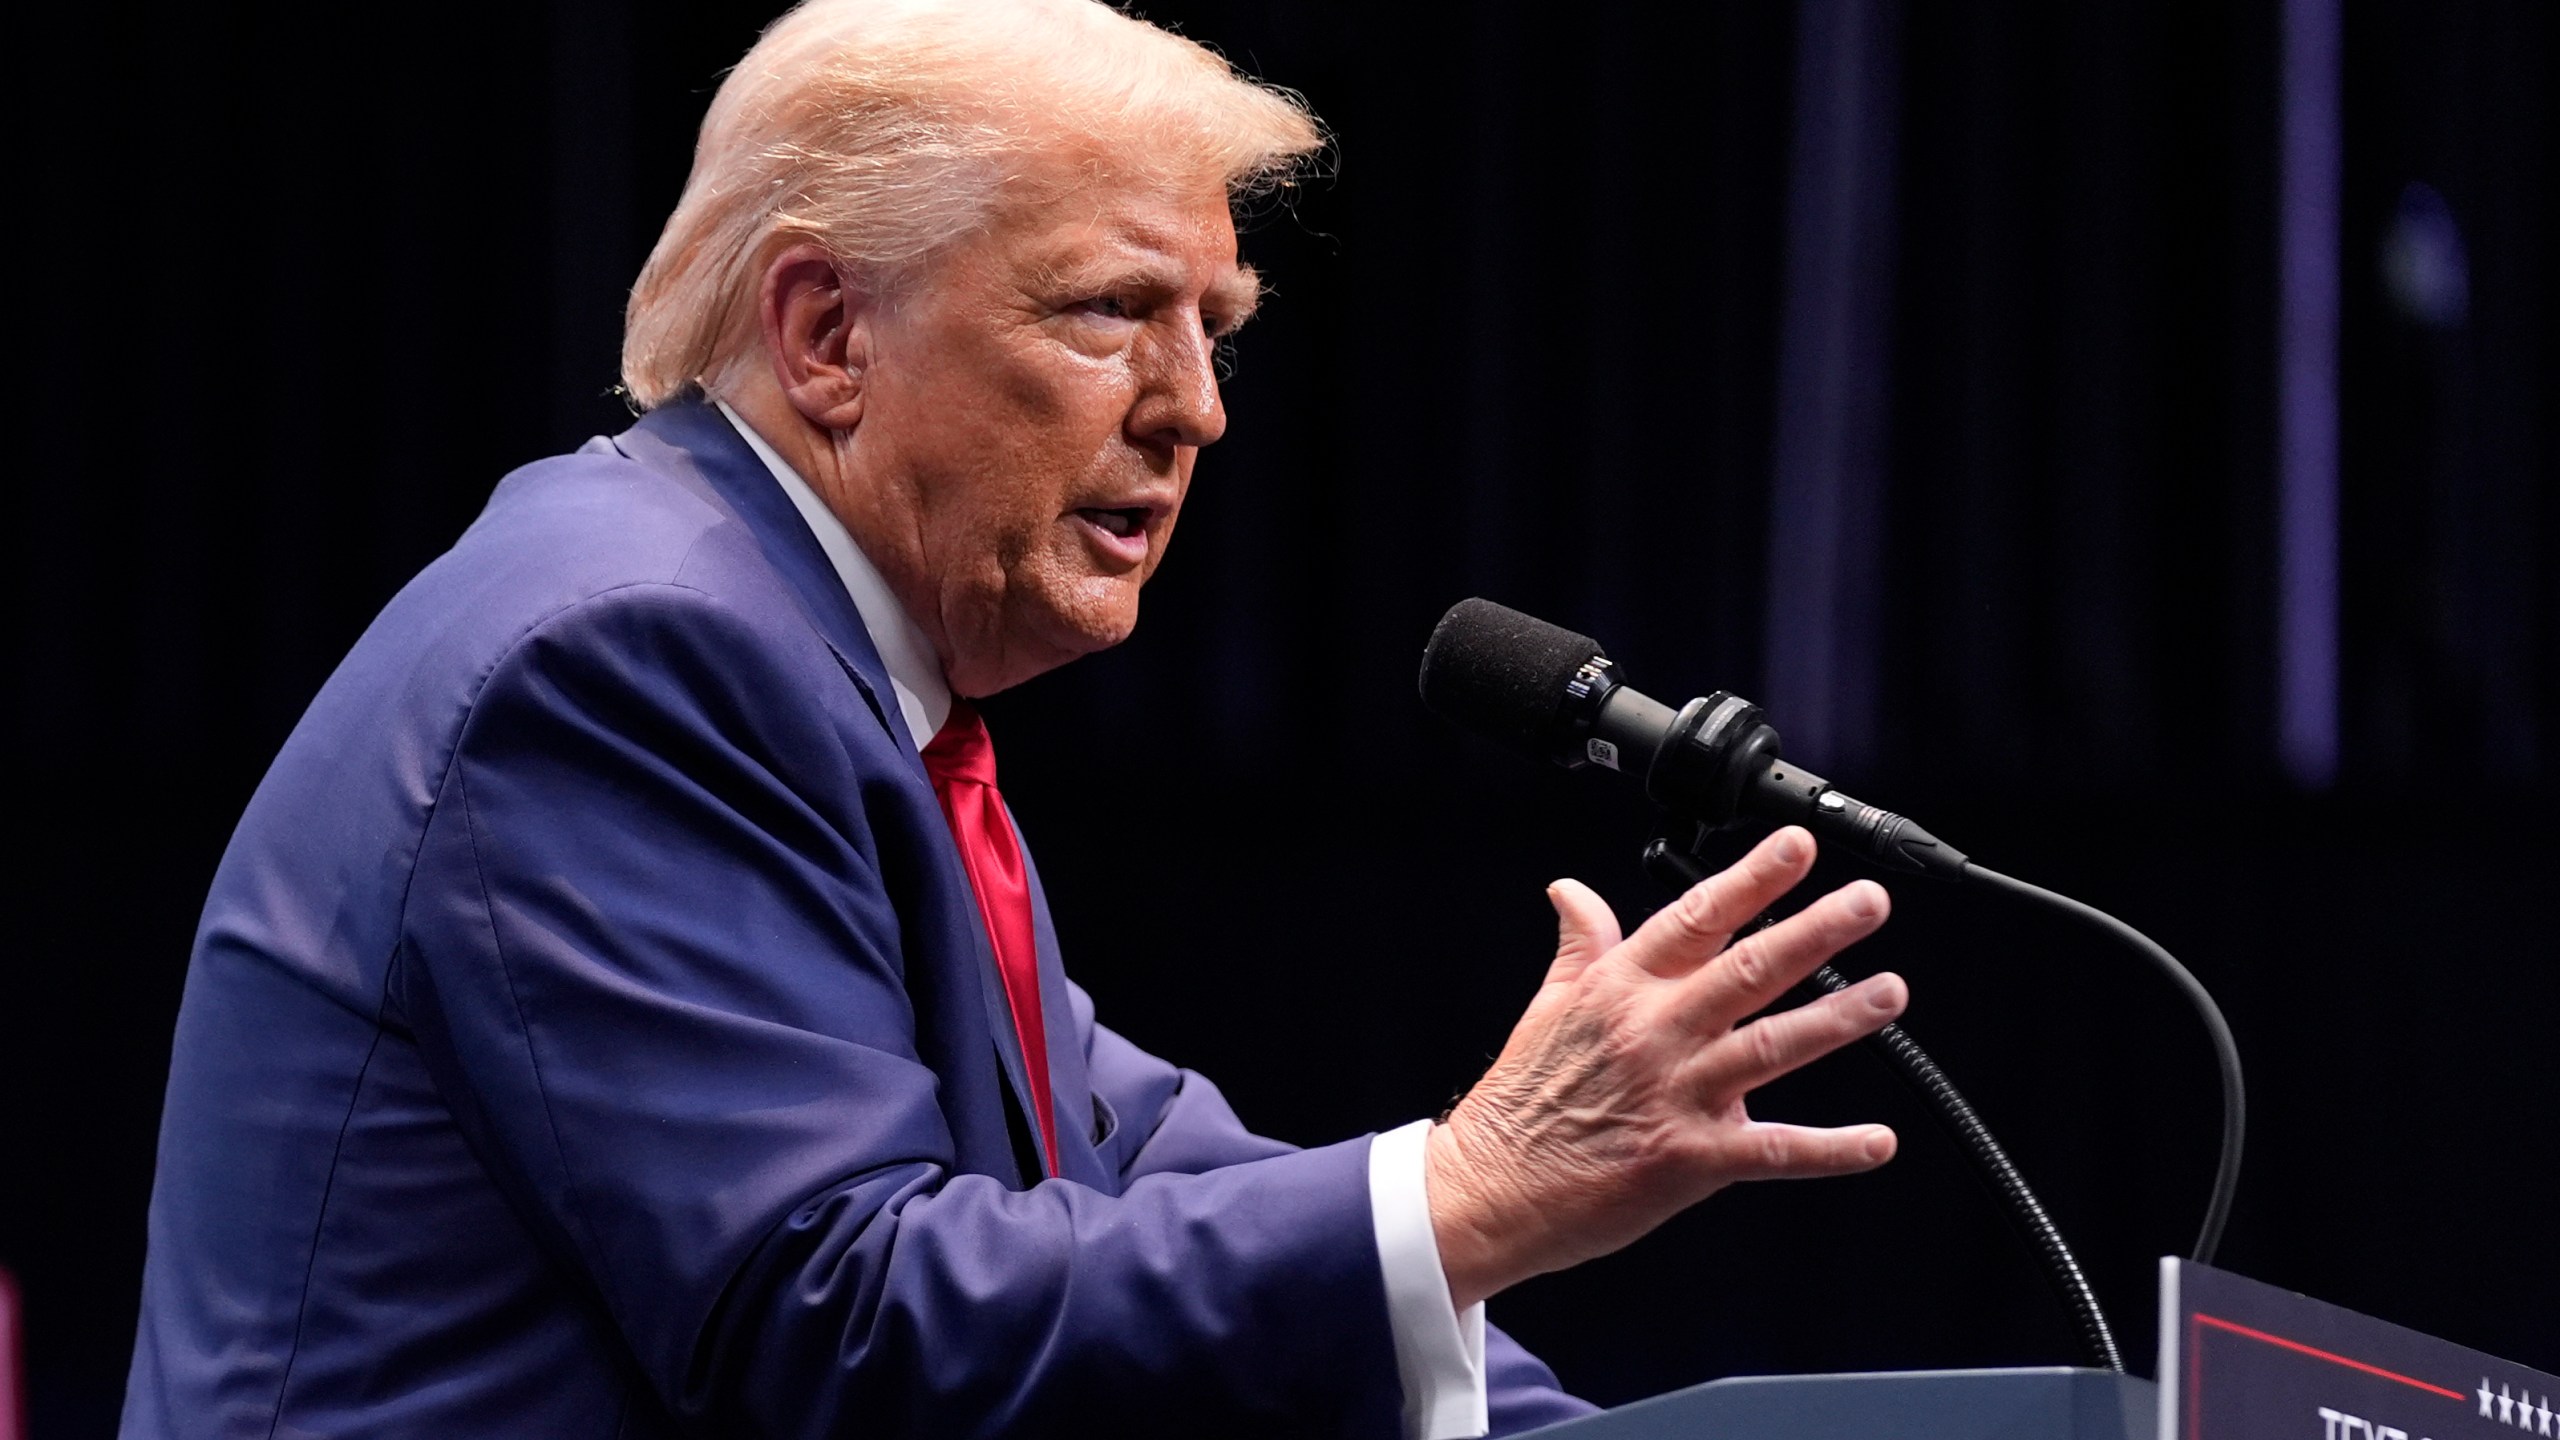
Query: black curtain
[[1908, 368]]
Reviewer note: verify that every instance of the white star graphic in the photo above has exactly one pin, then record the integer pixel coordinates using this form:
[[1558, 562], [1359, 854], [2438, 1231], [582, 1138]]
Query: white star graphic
[[2486, 1399], [2506, 1405], [2542, 1412]]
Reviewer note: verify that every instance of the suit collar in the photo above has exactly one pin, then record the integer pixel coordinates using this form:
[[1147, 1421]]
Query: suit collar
[[692, 441]]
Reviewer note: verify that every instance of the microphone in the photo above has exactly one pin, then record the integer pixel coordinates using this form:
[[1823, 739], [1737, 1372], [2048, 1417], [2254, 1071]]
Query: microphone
[[1551, 694]]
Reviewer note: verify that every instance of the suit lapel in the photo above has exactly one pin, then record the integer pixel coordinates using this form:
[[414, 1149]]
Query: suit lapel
[[696, 444], [1070, 1084]]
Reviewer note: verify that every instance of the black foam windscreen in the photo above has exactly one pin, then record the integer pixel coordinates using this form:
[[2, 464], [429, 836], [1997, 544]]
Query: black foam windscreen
[[1502, 674]]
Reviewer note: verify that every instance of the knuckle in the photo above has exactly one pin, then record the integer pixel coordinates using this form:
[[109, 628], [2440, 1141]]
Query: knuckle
[[1775, 1153], [1695, 916], [1666, 1150], [1766, 1044], [1750, 965]]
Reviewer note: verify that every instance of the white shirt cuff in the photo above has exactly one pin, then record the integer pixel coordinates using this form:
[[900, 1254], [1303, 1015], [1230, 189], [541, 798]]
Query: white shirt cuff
[[1439, 1351]]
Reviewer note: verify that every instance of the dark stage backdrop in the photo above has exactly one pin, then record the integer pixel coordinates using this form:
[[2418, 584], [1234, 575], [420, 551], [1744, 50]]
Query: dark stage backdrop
[[1915, 372]]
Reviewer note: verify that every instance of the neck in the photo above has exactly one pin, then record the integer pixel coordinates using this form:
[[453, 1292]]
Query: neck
[[809, 450]]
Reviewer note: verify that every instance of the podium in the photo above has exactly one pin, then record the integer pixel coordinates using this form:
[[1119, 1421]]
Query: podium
[[2039, 1404], [2239, 1360]]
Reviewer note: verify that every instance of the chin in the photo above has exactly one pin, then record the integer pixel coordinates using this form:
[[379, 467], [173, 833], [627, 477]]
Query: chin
[[1099, 627], [1090, 612], [1036, 645]]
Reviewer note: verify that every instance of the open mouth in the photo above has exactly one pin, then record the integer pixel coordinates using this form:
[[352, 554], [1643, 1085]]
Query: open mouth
[[1123, 523]]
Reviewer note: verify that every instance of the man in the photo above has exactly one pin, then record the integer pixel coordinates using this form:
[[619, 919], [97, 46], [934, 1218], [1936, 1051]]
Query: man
[[625, 1008]]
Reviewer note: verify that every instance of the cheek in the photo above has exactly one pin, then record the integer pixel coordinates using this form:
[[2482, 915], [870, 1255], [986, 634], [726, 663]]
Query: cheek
[[1033, 395], [994, 482], [1056, 429]]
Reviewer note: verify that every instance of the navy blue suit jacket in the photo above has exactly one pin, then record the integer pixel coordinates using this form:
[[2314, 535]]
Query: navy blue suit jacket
[[590, 1033]]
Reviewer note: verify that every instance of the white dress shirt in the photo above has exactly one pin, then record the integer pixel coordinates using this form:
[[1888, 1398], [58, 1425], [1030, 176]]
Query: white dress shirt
[[1439, 1351]]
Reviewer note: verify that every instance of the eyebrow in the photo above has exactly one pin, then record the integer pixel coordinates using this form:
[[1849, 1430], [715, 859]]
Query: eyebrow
[[1232, 297], [1238, 293]]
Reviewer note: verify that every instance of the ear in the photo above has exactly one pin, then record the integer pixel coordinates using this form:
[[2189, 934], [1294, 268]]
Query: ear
[[817, 335]]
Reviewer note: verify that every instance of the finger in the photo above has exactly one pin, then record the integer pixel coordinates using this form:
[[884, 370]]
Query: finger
[[1685, 934], [1586, 928], [1761, 965], [1760, 1151], [1774, 1044]]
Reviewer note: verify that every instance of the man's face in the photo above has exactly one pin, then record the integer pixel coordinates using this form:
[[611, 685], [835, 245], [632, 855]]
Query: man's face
[[1030, 416]]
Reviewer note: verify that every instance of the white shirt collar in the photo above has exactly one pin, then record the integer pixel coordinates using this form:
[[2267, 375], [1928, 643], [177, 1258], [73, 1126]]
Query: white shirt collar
[[924, 697]]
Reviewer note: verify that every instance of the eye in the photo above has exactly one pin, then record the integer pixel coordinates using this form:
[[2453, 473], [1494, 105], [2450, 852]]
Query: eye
[[1109, 307]]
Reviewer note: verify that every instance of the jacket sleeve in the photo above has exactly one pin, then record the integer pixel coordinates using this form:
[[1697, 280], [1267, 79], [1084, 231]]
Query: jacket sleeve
[[1176, 1122], [650, 952]]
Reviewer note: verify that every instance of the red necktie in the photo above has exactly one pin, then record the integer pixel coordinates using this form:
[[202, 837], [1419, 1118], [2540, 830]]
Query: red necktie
[[962, 762]]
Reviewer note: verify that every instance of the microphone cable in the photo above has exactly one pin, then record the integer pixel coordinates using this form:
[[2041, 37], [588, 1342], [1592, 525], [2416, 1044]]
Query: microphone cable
[[2226, 1051]]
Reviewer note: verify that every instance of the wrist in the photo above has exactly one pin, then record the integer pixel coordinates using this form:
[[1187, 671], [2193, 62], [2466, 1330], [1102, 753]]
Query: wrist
[[1464, 1221]]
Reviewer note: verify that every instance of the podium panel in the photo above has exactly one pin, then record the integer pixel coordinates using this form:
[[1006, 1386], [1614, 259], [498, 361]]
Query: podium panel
[[2040, 1404]]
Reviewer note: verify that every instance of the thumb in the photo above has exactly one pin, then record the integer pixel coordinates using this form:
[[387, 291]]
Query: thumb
[[1586, 929]]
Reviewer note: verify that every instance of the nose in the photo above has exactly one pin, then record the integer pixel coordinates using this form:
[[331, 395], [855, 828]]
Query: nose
[[1178, 402]]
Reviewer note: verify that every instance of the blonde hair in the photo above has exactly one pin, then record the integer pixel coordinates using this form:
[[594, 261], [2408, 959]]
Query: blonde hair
[[887, 130]]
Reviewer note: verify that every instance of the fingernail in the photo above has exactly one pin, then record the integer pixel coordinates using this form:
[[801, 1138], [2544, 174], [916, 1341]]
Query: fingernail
[[1878, 992], [1879, 1146], [1790, 846]]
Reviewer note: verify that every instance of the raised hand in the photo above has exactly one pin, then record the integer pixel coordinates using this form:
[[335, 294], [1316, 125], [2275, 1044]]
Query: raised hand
[[1618, 1101]]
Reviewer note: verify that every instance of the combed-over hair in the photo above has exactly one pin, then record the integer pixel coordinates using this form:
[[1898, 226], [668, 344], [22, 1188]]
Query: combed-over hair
[[886, 130]]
